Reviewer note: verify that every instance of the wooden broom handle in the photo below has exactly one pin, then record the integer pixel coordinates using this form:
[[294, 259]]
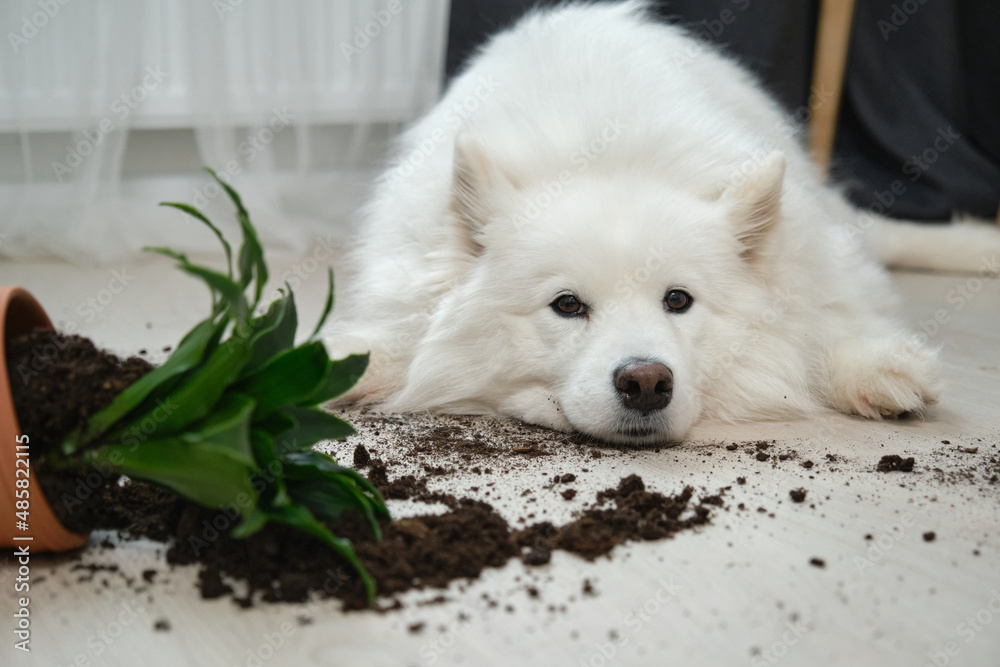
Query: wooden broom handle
[[833, 37]]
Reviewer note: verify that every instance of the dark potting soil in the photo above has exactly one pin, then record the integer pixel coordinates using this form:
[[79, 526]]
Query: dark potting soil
[[58, 382], [636, 514], [87, 501], [429, 551], [282, 564], [894, 462]]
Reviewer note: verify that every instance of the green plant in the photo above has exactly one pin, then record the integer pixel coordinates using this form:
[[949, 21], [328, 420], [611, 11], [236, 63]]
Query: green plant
[[229, 420]]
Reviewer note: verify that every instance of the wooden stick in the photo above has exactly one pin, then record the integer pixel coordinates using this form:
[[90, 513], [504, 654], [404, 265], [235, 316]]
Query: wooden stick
[[833, 36]]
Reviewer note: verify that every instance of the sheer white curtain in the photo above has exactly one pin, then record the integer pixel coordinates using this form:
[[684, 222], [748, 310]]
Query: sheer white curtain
[[109, 106]]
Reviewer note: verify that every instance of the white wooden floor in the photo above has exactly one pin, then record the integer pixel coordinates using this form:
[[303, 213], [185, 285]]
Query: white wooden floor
[[740, 591]]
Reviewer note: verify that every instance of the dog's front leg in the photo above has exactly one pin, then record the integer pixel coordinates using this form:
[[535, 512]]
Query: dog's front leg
[[879, 377]]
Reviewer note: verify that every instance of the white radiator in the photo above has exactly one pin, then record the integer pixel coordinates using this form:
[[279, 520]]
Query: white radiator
[[223, 59], [316, 79]]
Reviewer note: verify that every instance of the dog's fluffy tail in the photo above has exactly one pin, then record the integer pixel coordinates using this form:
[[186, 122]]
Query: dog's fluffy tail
[[965, 245]]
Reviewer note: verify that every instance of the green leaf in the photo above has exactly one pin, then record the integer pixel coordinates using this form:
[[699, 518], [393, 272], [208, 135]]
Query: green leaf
[[232, 294], [340, 376], [189, 353], [194, 471], [328, 500], [253, 520], [195, 213], [251, 258], [167, 252], [227, 429], [275, 423], [217, 305], [232, 297], [306, 465], [272, 333], [287, 379], [197, 396], [327, 307], [316, 480], [271, 469], [310, 425]]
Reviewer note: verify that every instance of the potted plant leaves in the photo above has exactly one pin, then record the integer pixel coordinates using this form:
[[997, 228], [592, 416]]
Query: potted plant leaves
[[228, 421]]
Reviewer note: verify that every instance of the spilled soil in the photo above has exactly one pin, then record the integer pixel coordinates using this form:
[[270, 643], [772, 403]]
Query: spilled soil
[[58, 382], [423, 551], [894, 463], [46, 365]]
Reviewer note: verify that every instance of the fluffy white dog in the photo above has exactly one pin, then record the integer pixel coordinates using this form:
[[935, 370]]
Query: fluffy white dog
[[607, 227]]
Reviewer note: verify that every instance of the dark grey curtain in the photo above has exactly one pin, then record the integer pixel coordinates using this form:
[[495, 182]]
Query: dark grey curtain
[[921, 110], [921, 99]]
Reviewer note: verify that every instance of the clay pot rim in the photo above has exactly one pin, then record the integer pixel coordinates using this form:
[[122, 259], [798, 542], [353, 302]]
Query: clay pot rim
[[21, 313]]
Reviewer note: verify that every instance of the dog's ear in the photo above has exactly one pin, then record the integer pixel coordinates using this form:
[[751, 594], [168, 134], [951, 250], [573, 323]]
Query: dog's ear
[[476, 183], [755, 204]]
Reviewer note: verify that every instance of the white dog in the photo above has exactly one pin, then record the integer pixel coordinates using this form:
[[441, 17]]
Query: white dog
[[607, 227]]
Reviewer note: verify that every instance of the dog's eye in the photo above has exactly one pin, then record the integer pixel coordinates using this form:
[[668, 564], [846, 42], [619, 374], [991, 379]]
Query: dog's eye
[[569, 306], [677, 301]]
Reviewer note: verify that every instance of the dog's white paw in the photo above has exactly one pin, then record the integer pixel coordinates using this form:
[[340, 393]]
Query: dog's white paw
[[880, 378]]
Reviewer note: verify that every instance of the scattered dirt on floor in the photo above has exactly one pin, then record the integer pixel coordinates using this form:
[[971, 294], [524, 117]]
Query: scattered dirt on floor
[[361, 457], [635, 514], [427, 551], [895, 462]]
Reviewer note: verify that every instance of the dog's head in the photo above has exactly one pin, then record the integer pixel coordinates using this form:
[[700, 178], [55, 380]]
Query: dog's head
[[593, 302]]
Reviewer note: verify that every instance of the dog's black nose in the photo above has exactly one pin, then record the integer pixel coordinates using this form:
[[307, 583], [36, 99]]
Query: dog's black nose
[[644, 386]]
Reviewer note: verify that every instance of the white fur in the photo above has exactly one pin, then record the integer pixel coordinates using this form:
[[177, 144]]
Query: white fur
[[695, 180]]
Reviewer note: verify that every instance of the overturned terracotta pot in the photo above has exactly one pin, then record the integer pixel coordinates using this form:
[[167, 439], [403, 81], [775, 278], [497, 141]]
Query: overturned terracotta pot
[[20, 313]]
